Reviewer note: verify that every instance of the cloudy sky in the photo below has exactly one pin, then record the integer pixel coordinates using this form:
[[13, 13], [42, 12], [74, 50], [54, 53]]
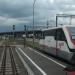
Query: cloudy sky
[[19, 12]]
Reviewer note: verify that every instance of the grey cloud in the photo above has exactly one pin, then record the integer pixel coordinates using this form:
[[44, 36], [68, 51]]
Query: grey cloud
[[15, 9], [21, 10]]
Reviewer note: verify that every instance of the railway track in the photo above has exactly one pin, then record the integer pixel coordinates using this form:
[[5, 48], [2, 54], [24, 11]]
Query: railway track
[[8, 64]]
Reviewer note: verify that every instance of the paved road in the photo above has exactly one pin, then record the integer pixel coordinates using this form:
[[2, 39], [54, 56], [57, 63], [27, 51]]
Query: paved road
[[40, 64]]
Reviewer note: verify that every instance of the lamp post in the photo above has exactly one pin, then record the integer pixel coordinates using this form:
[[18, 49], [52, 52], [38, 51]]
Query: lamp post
[[33, 19]]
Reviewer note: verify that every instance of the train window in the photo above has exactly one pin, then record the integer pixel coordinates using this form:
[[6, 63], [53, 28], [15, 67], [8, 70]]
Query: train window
[[50, 32], [60, 35], [72, 32], [57, 33]]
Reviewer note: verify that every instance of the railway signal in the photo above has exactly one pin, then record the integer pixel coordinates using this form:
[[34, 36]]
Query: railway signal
[[13, 32], [24, 35], [13, 27]]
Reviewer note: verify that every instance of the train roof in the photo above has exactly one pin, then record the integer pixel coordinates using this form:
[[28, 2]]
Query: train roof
[[58, 27]]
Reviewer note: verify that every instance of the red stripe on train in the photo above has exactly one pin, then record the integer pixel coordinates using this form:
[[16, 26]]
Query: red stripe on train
[[73, 41], [54, 48], [71, 73]]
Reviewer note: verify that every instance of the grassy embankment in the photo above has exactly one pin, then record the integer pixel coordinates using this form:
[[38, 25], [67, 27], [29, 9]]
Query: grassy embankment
[[30, 43], [22, 41]]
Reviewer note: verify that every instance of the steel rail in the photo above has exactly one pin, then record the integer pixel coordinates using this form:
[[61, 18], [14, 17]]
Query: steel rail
[[3, 65], [13, 65], [12, 62]]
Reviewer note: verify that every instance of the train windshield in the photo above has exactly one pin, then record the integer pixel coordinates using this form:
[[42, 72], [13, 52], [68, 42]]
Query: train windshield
[[72, 32]]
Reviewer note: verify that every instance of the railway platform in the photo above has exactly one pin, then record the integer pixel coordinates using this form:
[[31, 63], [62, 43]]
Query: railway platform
[[41, 64]]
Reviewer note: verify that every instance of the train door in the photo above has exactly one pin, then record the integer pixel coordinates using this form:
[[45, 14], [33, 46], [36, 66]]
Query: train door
[[50, 42], [42, 41], [61, 44]]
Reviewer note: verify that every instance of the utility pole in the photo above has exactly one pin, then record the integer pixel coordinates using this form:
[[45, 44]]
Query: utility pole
[[47, 23], [70, 19], [56, 20], [25, 29]]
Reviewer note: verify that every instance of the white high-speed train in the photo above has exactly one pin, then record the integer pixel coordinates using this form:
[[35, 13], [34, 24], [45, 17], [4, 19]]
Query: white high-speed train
[[59, 41]]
